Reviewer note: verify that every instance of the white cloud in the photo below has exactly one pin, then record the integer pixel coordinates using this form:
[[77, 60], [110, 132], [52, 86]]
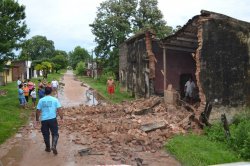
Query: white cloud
[[178, 12], [67, 22]]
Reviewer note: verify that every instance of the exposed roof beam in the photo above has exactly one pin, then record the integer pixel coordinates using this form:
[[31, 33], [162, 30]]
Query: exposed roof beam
[[190, 34], [187, 39], [179, 43], [180, 49]]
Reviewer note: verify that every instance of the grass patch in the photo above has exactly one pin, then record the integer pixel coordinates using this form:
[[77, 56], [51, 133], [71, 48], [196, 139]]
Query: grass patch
[[101, 88], [193, 150], [12, 117]]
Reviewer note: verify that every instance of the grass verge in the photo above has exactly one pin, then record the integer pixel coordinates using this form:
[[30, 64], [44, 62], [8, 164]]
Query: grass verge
[[102, 90], [12, 117], [195, 150]]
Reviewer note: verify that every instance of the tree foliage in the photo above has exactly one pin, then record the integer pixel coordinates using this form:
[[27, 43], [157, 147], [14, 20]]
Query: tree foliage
[[45, 66], [38, 47], [112, 25], [150, 17], [116, 20], [80, 68], [60, 62], [61, 52], [12, 27], [77, 55]]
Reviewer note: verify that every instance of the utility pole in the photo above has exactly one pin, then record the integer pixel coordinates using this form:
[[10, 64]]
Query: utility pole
[[92, 58]]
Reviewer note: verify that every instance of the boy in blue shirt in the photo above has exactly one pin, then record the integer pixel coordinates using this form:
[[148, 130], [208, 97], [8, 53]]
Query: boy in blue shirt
[[48, 107], [41, 92]]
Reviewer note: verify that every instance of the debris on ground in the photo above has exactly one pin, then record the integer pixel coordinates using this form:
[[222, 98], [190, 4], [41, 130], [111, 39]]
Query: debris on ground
[[122, 131], [3, 92]]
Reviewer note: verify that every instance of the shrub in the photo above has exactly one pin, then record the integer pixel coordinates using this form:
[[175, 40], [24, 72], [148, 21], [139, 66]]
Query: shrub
[[215, 133], [240, 138], [104, 77], [80, 68], [240, 135]]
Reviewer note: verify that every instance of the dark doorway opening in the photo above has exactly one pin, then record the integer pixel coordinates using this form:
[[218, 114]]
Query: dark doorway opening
[[183, 79]]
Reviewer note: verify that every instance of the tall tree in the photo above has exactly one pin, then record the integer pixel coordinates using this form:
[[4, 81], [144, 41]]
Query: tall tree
[[61, 52], [38, 47], [12, 27], [77, 55], [116, 20], [60, 62], [150, 17], [111, 27]]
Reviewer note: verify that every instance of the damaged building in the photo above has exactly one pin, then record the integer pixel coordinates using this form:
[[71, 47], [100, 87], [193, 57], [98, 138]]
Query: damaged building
[[212, 48]]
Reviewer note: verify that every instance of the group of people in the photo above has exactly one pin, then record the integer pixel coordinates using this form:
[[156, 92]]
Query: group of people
[[47, 108], [27, 89]]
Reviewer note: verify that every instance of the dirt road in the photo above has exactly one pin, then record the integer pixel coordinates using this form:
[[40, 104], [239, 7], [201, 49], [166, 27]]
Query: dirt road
[[27, 147]]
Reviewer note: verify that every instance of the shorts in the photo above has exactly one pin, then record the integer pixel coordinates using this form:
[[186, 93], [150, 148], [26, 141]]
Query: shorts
[[22, 101], [33, 100], [111, 89]]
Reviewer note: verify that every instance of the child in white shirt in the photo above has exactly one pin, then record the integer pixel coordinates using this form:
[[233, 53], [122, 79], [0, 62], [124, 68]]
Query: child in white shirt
[[33, 96]]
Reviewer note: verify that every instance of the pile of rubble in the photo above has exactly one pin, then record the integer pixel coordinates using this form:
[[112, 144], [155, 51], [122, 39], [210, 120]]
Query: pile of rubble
[[126, 128]]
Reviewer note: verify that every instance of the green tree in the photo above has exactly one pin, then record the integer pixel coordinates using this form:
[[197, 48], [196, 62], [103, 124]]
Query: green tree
[[12, 28], [61, 52], [38, 47], [111, 27], [77, 55], [150, 17], [116, 20], [45, 67], [80, 68], [60, 62]]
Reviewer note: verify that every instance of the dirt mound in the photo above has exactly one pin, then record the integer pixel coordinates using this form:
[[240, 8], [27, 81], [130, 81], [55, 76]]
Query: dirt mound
[[127, 128]]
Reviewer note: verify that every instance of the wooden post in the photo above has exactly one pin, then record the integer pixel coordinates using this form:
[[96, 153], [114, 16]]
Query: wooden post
[[164, 67]]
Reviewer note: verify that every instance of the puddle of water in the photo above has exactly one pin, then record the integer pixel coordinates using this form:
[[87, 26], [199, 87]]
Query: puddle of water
[[13, 156], [90, 99]]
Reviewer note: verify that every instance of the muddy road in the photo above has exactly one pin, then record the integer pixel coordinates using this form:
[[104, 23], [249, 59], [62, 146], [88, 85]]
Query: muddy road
[[81, 132]]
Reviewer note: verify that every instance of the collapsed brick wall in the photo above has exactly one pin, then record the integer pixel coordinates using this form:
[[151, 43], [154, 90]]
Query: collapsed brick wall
[[224, 61], [135, 72]]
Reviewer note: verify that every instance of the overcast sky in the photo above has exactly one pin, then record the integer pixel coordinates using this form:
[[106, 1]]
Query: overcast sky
[[66, 22]]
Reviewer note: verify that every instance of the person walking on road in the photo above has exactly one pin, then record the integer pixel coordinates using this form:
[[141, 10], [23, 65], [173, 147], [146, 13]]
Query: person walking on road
[[48, 107]]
